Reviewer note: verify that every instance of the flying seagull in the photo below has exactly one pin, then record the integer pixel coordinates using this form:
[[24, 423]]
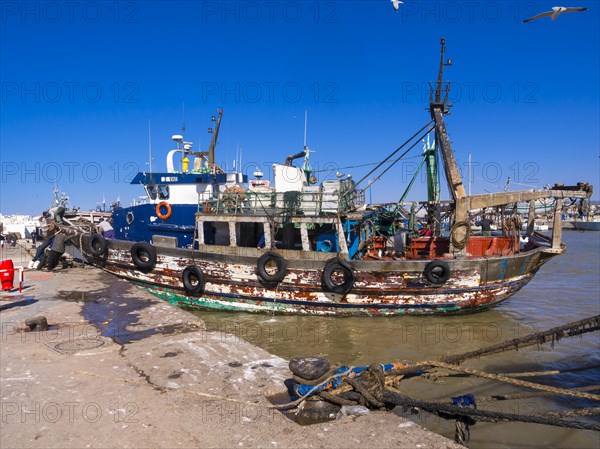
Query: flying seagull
[[396, 4], [556, 11]]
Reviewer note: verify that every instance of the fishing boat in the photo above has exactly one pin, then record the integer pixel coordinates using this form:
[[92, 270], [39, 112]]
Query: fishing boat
[[214, 239], [591, 224]]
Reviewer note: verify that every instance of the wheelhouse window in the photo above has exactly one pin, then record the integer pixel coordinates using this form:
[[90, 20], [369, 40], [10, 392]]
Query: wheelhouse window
[[158, 191], [163, 192]]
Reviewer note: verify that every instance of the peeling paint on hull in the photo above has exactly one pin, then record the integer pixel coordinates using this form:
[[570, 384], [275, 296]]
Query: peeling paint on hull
[[381, 288], [240, 303]]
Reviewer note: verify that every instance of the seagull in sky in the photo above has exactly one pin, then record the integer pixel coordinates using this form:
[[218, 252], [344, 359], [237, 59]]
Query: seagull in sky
[[396, 4], [556, 11]]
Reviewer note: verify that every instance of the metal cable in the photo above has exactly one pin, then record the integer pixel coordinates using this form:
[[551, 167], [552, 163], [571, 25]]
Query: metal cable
[[390, 156]]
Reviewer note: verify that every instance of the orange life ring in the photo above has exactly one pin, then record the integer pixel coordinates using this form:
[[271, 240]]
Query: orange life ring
[[159, 207]]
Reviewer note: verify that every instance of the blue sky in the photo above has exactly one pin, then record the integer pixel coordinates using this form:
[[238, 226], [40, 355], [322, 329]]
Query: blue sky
[[81, 80]]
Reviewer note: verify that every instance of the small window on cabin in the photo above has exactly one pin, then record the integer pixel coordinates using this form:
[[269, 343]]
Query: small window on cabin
[[216, 233], [315, 231], [151, 192], [288, 237], [249, 235], [163, 192]]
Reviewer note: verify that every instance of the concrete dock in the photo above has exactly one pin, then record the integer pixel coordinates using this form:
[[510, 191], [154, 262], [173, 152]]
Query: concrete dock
[[120, 368]]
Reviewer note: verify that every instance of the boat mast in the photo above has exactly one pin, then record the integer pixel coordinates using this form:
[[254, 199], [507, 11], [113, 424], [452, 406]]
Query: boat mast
[[213, 142], [149, 147], [305, 122], [438, 108], [433, 186]]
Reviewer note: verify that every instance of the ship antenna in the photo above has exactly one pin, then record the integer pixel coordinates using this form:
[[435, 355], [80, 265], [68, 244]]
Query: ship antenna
[[470, 174], [440, 81], [149, 145], [305, 124], [237, 152]]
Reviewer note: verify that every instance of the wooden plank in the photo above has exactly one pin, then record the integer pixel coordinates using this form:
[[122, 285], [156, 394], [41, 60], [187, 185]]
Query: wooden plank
[[304, 237], [232, 234], [557, 229], [500, 198], [531, 218], [268, 236]]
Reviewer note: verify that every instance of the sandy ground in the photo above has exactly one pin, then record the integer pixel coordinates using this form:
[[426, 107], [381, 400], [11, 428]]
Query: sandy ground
[[119, 368]]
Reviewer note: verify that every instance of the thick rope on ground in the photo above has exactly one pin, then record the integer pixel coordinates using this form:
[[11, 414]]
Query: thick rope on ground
[[365, 394], [515, 396], [335, 399], [591, 411], [312, 390], [484, 415], [371, 385], [512, 381], [438, 375]]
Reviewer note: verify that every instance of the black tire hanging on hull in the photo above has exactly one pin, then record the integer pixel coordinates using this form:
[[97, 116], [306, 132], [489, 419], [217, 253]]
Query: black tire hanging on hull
[[280, 265], [193, 280], [97, 245], [143, 255], [332, 271], [437, 272]]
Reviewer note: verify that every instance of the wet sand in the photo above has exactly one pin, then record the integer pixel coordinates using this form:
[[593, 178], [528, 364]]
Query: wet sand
[[119, 368]]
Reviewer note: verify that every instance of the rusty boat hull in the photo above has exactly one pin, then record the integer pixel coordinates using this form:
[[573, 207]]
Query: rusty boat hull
[[380, 287]]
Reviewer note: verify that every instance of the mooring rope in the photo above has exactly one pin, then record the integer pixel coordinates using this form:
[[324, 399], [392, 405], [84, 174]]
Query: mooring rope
[[365, 393], [312, 390], [556, 333], [514, 396], [484, 415], [591, 411], [335, 398], [572, 329], [437, 375], [510, 380]]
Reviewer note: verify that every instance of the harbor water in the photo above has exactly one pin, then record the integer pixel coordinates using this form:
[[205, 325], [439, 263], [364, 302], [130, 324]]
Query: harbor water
[[565, 289]]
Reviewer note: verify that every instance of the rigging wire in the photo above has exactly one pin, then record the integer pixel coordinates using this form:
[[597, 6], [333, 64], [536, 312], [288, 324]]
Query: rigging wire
[[359, 166], [394, 162], [390, 156], [412, 181]]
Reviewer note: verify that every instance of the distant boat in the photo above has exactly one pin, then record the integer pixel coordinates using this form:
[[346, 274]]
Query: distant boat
[[543, 206], [536, 227], [586, 225]]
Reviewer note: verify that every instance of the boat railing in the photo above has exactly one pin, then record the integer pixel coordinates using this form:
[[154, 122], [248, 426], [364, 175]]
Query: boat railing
[[312, 202]]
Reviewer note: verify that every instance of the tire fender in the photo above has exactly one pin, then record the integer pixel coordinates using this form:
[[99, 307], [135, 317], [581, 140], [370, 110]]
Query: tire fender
[[97, 245], [143, 255], [341, 267], [437, 272], [193, 280], [261, 267]]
